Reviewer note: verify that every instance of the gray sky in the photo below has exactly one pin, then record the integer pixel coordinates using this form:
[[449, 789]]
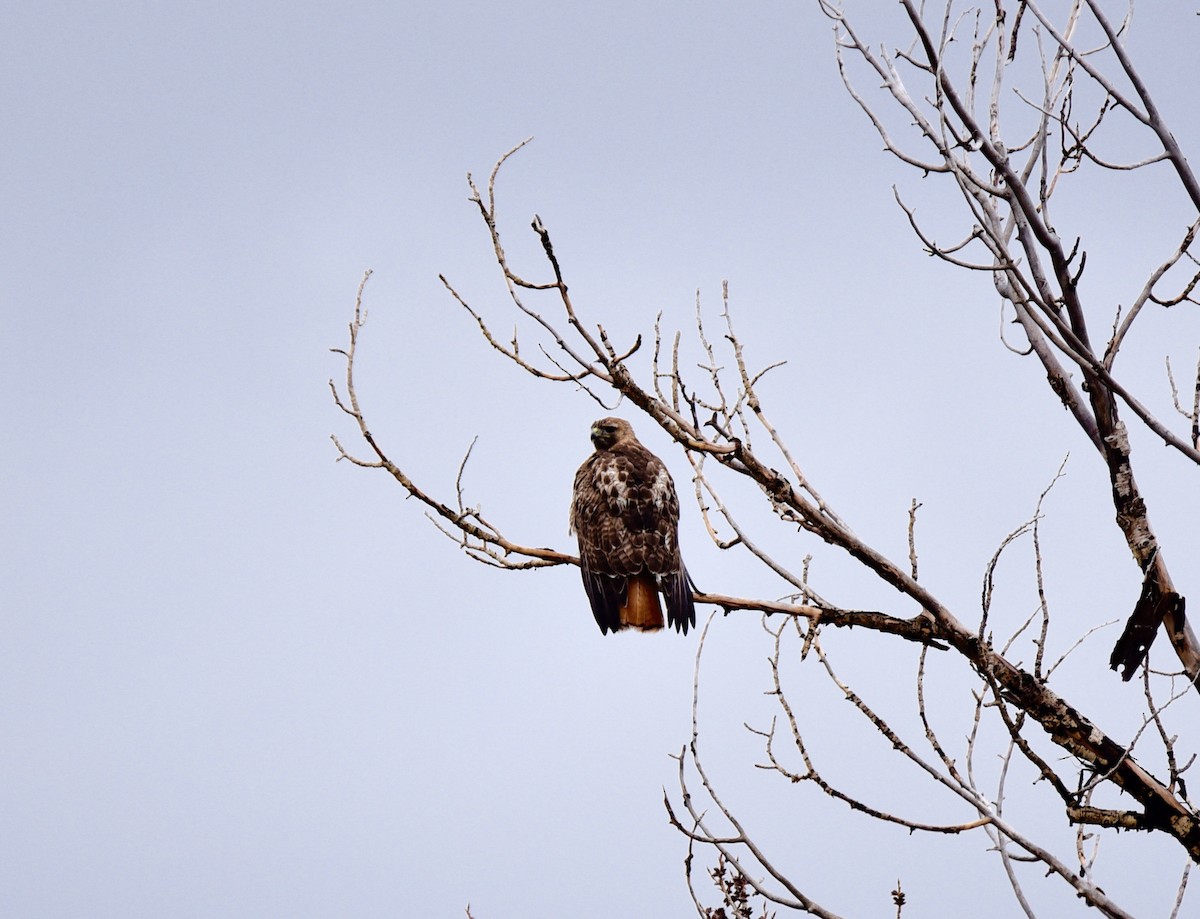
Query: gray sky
[[240, 680]]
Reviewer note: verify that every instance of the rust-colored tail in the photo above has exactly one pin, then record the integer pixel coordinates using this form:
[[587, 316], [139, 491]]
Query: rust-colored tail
[[641, 611]]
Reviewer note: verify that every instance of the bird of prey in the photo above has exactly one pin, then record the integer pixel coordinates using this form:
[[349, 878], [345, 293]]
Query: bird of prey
[[625, 512]]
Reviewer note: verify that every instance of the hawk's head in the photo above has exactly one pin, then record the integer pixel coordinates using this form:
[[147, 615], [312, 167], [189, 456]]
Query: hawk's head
[[608, 432]]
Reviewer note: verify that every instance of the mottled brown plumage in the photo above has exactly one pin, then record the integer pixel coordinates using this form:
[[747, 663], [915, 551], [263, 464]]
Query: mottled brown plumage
[[626, 515]]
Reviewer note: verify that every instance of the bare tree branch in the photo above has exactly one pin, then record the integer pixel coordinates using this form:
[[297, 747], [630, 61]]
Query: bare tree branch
[[1008, 131]]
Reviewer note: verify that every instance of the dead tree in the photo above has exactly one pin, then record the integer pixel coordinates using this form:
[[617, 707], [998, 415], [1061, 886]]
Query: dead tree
[[1008, 105]]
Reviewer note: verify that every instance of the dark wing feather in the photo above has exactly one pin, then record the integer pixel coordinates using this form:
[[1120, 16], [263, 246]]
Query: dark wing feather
[[589, 513], [677, 590], [606, 595]]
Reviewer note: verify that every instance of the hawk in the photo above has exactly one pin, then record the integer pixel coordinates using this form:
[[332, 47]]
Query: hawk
[[626, 514]]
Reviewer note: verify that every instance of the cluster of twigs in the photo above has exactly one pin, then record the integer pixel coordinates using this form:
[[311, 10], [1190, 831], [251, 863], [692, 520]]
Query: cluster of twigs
[[1007, 185]]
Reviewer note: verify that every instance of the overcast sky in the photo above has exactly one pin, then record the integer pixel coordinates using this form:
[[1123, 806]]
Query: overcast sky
[[238, 679]]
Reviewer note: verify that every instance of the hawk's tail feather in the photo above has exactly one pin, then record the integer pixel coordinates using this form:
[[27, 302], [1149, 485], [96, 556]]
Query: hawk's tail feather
[[641, 611]]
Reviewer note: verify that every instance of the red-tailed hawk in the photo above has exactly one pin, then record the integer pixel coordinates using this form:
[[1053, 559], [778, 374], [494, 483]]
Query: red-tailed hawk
[[626, 514]]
